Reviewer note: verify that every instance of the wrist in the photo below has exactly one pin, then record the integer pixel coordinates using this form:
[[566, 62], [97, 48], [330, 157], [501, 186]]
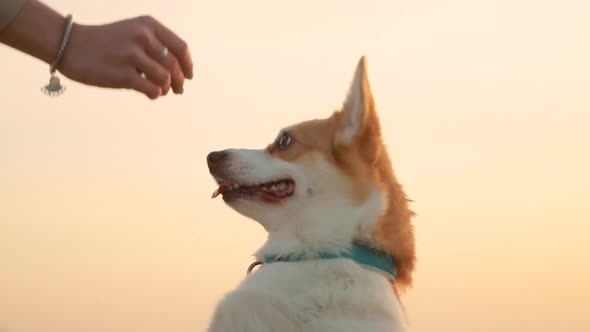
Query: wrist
[[70, 64]]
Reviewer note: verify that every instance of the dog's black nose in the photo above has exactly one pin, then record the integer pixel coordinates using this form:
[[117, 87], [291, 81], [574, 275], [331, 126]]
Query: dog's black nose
[[215, 157]]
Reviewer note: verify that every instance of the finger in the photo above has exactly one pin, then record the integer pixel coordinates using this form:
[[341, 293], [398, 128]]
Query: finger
[[177, 76], [170, 62], [153, 70], [178, 47], [145, 86]]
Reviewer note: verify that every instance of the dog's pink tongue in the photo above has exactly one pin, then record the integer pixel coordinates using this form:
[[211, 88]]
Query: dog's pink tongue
[[222, 187]]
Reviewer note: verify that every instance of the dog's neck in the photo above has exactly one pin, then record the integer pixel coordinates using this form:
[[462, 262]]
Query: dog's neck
[[330, 228], [331, 231]]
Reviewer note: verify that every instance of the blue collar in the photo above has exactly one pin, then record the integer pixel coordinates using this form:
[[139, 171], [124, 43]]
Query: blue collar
[[361, 254]]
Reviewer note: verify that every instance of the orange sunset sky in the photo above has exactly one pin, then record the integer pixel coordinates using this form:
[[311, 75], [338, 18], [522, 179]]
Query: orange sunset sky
[[106, 221]]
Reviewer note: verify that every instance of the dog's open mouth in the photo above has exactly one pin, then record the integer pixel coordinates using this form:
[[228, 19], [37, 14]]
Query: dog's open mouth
[[270, 191]]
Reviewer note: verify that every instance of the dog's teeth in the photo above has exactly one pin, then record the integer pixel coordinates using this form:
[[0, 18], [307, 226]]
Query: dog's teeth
[[282, 185], [274, 187]]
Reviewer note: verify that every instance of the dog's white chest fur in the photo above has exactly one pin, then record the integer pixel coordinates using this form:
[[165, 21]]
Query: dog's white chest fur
[[314, 296]]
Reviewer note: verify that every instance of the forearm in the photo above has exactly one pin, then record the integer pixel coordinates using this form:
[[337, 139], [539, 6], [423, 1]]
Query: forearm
[[9, 9], [37, 30]]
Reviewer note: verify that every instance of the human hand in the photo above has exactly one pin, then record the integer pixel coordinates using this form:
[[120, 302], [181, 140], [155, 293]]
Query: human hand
[[128, 54]]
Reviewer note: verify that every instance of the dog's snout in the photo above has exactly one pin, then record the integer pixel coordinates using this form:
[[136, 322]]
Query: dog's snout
[[215, 157]]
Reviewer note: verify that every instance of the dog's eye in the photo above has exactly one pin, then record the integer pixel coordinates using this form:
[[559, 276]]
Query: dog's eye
[[284, 141]]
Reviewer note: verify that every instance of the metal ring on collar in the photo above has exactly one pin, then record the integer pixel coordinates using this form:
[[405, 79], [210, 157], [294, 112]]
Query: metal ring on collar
[[252, 266]]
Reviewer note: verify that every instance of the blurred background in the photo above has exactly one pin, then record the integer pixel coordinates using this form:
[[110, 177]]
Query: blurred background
[[106, 221]]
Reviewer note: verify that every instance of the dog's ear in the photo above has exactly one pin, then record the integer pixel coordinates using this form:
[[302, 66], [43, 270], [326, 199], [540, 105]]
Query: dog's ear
[[358, 123]]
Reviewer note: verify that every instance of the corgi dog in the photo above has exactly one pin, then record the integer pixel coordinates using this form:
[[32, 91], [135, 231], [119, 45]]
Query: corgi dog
[[340, 246]]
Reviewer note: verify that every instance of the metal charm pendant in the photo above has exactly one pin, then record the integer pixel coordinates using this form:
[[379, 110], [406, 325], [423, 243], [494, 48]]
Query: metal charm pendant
[[54, 88]]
